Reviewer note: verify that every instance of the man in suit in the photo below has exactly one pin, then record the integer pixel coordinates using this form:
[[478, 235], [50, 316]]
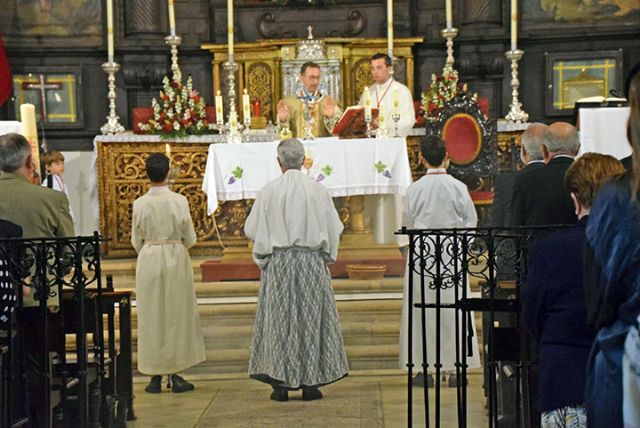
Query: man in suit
[[531, 156], [539, 196], [41, 212]]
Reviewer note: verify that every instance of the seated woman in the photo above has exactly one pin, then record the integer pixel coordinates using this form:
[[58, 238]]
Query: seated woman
[[553, 304]]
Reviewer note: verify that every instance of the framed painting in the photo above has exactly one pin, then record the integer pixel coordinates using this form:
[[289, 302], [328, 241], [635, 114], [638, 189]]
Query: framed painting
[[55, 92], [574, 75]]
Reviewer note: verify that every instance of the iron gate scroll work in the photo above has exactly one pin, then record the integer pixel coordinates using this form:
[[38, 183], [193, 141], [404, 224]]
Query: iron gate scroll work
[[449, 260]]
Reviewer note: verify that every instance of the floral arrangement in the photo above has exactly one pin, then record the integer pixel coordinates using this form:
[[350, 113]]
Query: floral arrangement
[[443, 88], [180, 111]]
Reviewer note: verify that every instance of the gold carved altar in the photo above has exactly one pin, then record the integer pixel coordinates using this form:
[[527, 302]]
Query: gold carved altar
[[260, 67]]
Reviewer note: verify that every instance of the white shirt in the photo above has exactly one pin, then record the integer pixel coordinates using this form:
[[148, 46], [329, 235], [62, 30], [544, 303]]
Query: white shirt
[[293, 210], [438, 201], [382, 99]]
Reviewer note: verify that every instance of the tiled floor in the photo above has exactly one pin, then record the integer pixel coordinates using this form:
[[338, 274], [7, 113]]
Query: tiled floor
[[185, 410]]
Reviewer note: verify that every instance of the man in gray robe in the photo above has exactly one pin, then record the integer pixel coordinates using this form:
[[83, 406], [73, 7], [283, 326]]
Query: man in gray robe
[[297, 342]]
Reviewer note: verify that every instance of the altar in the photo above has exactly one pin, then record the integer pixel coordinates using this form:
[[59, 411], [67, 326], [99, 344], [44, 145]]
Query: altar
[[220, 181]]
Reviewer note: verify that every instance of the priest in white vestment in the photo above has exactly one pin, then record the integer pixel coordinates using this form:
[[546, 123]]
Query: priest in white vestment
[[436, 201], [389, 96], [169, 332], [297, 342]]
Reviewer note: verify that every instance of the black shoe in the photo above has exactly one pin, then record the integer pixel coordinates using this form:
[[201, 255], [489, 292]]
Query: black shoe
[[178, 384], [155, 386], [453, 381], [309, 394], [418, 380], [279, 395]]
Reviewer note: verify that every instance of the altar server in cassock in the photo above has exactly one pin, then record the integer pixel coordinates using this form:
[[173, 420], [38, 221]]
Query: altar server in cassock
[[169, 333], [389, 96], [309, 104], [436, 201], [297, 342]]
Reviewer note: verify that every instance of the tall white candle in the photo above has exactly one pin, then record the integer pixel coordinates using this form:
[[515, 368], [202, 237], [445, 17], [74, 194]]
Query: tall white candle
[[110, 30], [366, 96], [30, 129], [172, 18], [230, 28], [396, 102], [246, 106], [514, 25], [390, 28], [167, 150], [449, 14], [219, 110]]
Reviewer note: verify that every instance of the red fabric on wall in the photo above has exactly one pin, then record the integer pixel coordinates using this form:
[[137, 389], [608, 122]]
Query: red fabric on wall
[[5, 75]]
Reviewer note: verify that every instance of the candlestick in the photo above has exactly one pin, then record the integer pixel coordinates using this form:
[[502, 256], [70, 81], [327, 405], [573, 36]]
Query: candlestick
[[381, 132], [230, 28], [449, 34], [230, 70], [516, 114], [219, 109], [246, 106], [112, 126], [172, 18], [449, 14], [514, 25], [390, 28], [109, 30], [174, 41]]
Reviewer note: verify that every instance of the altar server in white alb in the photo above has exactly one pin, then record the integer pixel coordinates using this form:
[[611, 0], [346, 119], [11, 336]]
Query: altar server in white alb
[[436, 201], [389, 96], [297, 342], [169, 333]]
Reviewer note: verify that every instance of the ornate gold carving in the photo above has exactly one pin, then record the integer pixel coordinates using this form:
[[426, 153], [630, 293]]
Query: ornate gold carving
[[259, 87], [361, 77]]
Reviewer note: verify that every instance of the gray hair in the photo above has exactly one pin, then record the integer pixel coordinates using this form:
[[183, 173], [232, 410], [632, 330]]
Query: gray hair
[[14, 150], [532, 140], [561, 137], [291, 153]]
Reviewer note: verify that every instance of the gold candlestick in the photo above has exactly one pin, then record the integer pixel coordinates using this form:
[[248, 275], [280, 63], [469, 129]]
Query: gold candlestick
[[449, 34], [174, 41]]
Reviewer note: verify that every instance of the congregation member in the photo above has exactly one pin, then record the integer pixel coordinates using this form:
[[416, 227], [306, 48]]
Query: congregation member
[[169, 333], [553, 304], [531, 157], [539, 197], [612, 291], [309, 105], [41, 212], [389, 96], [436, 201], [297, 341]]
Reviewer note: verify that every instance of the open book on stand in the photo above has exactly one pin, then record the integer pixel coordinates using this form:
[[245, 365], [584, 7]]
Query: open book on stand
[[352, 124]]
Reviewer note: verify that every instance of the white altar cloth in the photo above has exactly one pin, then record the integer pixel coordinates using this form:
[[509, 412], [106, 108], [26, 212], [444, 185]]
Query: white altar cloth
[[345, 167]]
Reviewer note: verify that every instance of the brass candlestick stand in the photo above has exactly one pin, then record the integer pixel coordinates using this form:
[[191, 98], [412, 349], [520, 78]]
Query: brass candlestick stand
[[449, 34]]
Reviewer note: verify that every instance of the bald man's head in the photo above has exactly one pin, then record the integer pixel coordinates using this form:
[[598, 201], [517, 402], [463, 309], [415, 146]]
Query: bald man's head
[[531, 142], [560, 138]]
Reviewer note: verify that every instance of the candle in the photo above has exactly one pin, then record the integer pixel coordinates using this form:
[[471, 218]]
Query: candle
[[390, 28], [246, 106], [167, 150], [110, 31], [381, 121], [30, 132], [366, 96], [449, 14], [172, 18], [230, 28], [219, 111], [514, 25], [396, 102]]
